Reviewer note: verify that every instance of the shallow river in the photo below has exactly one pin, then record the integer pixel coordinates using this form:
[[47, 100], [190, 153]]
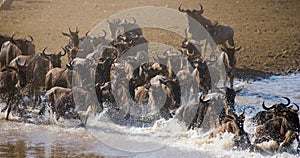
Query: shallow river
[[45, 137]]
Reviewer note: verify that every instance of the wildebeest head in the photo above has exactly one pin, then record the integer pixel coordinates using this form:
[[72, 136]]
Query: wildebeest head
[[73, 37], [117, 26], [26, 46], [278, 107], [55, 59], [71, 51], [193, 13], [190, 50], [231, 54], [230, 95]]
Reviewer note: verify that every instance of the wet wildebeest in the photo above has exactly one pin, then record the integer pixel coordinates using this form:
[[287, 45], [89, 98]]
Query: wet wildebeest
[[234, 123], [11, 80], [143, 74], [164, 95], [191, 50], [270, 112], [188, 85], [37, 67], [229, 102], [61, 102], [283, 127], [13, 48], [202, 75], [229, 60], [61, 77], [102, 76], [193, 114]]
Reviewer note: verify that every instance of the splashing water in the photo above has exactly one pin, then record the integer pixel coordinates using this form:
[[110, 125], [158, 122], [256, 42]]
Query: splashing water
[[46, 137]]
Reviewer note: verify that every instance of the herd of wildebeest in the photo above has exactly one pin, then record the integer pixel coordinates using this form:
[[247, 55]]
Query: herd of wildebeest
[[130, 84]]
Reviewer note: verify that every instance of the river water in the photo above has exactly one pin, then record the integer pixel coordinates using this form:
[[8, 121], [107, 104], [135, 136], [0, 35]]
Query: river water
[[46, 137]]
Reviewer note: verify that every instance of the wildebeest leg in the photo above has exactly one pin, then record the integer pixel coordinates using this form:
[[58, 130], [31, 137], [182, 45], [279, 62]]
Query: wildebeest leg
[[287, 141], [8, 105], [298, 140], [202, 112], [37, 99], [42, 111], [192, 125], [231, 81]]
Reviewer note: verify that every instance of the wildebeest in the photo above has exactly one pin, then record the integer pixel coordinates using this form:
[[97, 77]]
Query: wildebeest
[[143, 74], [229, 60], [12, 48], [61, 102], [191, 50], [234, 123], [89, 44], [270, 112], [202, 75], [193, 114], [196, 15], [282, 126], [172, 59], [71, 51], [37, 67], [11, 80], [73, 37], [61, 77], [229, 103]]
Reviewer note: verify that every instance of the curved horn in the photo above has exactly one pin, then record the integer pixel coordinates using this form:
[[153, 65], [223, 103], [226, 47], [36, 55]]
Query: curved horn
[[202, 101], [43, 52], [201, 8], [12, 38], [86, 34], [77, 30], [134, 21], [31, 38], [70, 30], [266, 108], [289, 101], [181, 10], [65, 52], [105, 33], [297, 107]]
